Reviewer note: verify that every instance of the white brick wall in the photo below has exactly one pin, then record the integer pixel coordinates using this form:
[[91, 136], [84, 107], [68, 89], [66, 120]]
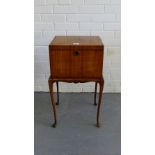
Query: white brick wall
[[78, 17]]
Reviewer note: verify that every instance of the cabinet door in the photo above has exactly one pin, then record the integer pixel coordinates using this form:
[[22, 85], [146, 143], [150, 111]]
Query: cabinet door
[[66, 64], [92, 64], [60, 63], [76, 64]]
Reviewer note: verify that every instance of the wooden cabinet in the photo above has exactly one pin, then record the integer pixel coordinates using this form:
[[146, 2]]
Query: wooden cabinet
[[76, 59]]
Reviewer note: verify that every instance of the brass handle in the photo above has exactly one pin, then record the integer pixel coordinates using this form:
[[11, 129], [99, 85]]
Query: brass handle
[[76, 53]]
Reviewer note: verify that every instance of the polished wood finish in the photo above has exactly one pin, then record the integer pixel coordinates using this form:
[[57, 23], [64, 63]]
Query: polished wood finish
[[76, 59], [66, 64], [53, 102], [95, 93], [76, 42], [57, 84]]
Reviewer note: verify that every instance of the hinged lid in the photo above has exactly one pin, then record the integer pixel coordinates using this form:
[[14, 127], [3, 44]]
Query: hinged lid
[[76, 42]]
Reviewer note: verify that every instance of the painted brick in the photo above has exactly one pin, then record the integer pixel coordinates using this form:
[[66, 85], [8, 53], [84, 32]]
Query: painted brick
[[97, 2], [53, 18], [78, 33], [41, 58], [43, 85], [115, 1], [39, 2], [42, 41], [117, 34], [53, 33], [40, 50], [106, 34], [64, 1], [70, 87], [113, 50], [75, 2], [51, 2], [43, 27], [79, 18], [112, 9], [110, 42], [115, 86], [65, 9], [103, 18], [118, 17], [43, 9], [41, 67], [91, 26], [112, 26], [115, 74], [115, 60], [37, 88], [66, 26], [37, 34], [91, 9]]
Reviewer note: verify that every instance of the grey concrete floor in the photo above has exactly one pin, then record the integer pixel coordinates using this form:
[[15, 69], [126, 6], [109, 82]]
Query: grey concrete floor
[[76, 133]]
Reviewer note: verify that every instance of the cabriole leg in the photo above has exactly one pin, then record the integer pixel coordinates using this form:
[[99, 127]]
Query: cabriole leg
[[57, 103], [101, 83], [53, 103], [95, 93]]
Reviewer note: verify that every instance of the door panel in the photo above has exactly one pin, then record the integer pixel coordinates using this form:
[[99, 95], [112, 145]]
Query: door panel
[[92, 64], [60, 63], [76, 64]]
